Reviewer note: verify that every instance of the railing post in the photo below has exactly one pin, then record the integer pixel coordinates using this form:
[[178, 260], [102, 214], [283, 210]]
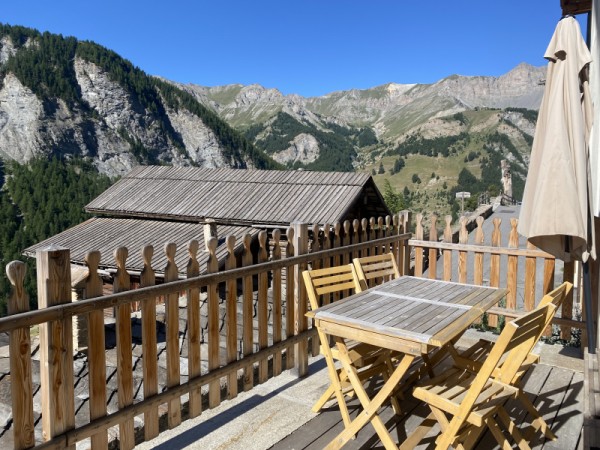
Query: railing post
[[96, 350], [248, 313], [277, 301], [463, 238], [149, 350], [232, 323], [406, 221], [121, 283], [172, 335], [56, 343], [433, 236], [300, 299], [194, 329], [448, 253], [289, 298], [262, 307], [419, 250], [20, 362], [214, 390], [478, 260]]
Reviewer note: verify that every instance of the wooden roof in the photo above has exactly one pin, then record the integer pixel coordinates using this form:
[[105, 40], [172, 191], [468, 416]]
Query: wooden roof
[[106, 234], [575, 6], [237, 196]]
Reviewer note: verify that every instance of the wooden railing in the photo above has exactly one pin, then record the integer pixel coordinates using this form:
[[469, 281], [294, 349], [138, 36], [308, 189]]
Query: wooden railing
[[254, 313], [268, 294], [528, 272]]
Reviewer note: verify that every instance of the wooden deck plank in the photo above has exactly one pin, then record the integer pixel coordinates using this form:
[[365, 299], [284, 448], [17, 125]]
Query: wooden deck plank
[[562, 389], [569, 420], [556, 392]]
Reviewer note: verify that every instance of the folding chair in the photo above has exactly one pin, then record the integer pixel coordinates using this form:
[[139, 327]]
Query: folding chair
[[473, 358], [322, 283], [369, 269], [465, 401]]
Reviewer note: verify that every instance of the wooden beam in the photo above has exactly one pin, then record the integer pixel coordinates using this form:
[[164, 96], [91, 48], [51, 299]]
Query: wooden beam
[[575, 6]]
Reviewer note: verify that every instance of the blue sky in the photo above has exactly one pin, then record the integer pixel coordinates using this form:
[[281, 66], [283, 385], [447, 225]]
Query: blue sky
[[306, 47]]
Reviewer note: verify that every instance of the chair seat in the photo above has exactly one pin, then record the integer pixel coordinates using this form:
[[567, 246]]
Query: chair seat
[[447, 392], [473, 358]]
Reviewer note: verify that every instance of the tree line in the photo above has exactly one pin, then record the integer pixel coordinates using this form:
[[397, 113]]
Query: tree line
[[336, 150], [37, 201]]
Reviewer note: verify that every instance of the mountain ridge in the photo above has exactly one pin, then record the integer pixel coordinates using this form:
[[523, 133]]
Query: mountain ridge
[[61, 96]]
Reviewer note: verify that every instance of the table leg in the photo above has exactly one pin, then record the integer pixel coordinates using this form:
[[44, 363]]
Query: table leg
[[334, 377], [370, 406]]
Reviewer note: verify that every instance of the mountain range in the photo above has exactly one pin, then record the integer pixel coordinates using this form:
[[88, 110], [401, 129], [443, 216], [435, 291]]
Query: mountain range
[[61, 96]]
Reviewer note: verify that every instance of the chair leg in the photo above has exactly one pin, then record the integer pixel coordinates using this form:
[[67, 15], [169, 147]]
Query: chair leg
[[335, 380], [329, 394], [394, 397], [538, 423], [497, 433], [513, 429], [420, 432]]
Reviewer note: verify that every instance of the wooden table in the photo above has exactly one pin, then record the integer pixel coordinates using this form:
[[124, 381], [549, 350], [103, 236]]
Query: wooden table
[[410, 315]]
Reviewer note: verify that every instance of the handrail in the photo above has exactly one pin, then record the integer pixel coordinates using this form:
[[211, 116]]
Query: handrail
[[59, 312], [481, 249]]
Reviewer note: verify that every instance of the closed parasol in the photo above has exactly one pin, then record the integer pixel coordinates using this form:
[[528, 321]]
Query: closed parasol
[[556, 211], [556, 214]]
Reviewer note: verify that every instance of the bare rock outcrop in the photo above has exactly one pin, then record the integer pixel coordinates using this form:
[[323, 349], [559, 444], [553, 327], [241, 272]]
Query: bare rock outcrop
[[303, 149]]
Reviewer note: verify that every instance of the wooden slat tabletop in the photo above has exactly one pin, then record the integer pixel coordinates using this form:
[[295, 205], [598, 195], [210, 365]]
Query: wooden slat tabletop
[[408, 313]]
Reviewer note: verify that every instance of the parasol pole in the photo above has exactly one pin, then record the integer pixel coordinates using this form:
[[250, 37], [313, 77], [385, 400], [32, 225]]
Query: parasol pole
[[589, 316], [587, 280]]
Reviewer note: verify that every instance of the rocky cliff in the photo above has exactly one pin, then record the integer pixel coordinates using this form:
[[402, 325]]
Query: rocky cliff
[[59, 96]]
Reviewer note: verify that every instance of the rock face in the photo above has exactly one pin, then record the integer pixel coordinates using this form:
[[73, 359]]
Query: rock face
[[391, 110], [20, 111], [303, 149], [109, 122]]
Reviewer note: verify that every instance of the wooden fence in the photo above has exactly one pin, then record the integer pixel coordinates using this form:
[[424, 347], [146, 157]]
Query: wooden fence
[[249, 320], [268, 295], [527, 272]]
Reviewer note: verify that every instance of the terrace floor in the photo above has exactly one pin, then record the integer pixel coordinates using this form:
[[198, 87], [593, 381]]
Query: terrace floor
[[276, 415]]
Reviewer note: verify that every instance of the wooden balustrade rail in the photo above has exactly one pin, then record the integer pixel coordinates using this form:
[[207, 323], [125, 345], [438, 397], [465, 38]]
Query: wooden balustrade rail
[[59, 312], [272, 287]]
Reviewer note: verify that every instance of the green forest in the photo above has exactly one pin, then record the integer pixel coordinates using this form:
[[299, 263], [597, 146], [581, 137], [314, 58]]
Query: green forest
[[37, 201]]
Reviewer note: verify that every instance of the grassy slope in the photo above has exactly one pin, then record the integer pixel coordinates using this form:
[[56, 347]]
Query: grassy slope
[[446, 168]]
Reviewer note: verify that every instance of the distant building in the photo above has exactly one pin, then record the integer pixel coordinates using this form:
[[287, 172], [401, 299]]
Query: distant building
[[159, 204]]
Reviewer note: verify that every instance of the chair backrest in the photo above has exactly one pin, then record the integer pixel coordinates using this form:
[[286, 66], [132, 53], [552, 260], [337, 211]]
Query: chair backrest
[[556, 297], [370, 268], [514, 344], [322, 282]]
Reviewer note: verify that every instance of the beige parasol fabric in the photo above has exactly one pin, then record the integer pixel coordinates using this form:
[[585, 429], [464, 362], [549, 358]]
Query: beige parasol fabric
[[595, 90], [555, 214]]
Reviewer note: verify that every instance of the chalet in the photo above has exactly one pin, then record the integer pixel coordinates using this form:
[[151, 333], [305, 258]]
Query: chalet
[[265, 198], [155, 204]]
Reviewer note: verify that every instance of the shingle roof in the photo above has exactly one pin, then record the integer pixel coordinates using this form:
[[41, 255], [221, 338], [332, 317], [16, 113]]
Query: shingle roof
[[234, 195], [106, 234]]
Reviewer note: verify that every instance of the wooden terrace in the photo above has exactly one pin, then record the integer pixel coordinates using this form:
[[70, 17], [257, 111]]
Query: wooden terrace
[[241, 327], [559, 391]]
